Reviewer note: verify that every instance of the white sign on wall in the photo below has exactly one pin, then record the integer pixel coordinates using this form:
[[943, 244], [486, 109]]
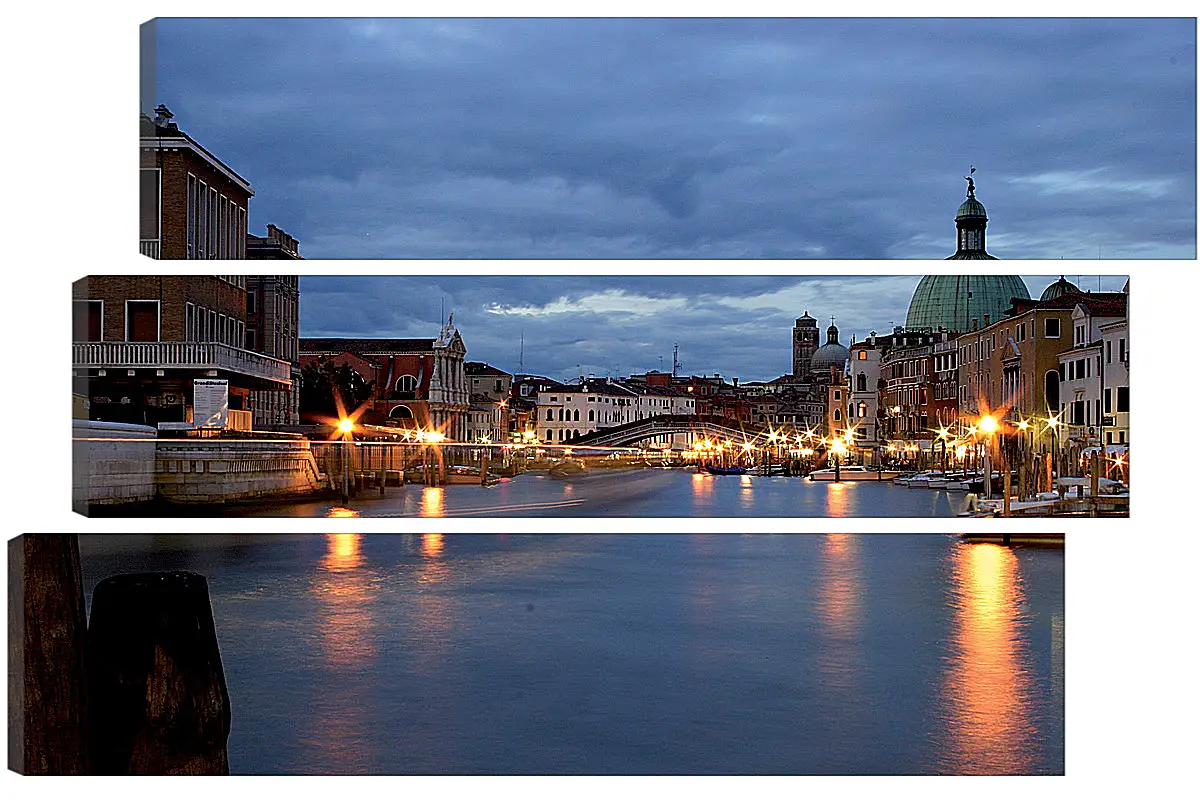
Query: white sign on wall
[[210, 403]]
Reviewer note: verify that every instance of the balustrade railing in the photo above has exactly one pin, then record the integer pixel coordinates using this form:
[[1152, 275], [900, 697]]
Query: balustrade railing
[[179, 355]]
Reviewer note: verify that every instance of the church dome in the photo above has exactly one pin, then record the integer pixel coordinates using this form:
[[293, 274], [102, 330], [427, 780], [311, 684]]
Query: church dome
[[1058, 289], [971, 208], [829, 355], [963, 302]]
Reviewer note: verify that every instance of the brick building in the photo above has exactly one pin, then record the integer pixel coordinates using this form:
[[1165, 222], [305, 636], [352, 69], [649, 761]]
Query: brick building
[[1013, 364], [140, 340], [418, 383], [192, 204]]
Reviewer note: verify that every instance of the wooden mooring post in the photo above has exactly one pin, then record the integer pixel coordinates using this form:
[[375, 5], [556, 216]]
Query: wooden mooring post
[[47, 688], [159, 704]]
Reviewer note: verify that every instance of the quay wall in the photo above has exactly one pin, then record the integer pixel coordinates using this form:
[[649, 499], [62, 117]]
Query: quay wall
[[232, 470], [113, 463], [117, 464]]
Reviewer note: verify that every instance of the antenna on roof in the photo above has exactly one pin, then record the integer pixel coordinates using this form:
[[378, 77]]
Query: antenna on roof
[[522, 360]]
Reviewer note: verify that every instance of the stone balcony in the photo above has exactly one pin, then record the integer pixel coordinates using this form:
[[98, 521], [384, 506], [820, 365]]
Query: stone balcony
[[205, 356]]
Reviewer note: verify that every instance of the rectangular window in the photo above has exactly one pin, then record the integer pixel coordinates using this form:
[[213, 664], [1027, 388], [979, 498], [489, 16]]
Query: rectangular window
[[862, 355], [141, 320], [1121, 354], [1108, 352], [251, 340], [1108, 401], [88, 324], [149, 201], [1053, 328], [201, 219], [1122, 399], [191, 215]]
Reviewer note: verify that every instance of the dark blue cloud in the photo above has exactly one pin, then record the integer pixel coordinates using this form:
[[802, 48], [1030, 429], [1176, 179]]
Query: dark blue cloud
[[652, 138], [572, 325]]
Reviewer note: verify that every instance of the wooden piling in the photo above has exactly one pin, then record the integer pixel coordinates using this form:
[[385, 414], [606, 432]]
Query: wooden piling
[[159, 700], [47, 692]]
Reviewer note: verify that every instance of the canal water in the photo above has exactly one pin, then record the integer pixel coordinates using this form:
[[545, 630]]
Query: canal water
[[636, 493], [628, 654]]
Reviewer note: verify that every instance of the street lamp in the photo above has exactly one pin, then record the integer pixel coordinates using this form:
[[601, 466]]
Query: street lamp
[[346, 427], [837, 449], [987, 426]]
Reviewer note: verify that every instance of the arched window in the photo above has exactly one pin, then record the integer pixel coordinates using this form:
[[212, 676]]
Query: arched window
[[837, 414], [405, 387], [562, 415], [576, 418], [1052, 397], [549, 414], [591, 415], [862, 410], [862, 382], [400, 412]]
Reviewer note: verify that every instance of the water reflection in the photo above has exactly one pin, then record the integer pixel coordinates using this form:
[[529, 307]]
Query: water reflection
[[987, 683], [839, 655], [702, 486], [837, 503], [432, 499], [340, 739], [340, 512]]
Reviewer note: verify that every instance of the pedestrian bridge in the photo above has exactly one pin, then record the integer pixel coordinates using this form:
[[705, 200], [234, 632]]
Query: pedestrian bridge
[[698, 426]]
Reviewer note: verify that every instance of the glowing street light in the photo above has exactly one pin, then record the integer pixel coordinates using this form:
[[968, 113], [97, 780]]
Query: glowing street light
[[987, 424], [345, 425]]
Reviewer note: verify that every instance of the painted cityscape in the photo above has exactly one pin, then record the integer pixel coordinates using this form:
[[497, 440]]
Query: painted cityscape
[[969, 395]]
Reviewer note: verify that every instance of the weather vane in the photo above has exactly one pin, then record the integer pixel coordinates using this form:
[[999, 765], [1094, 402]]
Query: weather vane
[[970, 183]]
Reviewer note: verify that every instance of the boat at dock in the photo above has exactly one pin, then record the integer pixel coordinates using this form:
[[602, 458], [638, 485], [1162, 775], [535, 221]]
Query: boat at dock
[[453, 475], [567, 468], [853, 473], [713, 469]]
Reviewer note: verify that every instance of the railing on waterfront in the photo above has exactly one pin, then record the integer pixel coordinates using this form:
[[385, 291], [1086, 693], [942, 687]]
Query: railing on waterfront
[[179, 355], [150, 247]]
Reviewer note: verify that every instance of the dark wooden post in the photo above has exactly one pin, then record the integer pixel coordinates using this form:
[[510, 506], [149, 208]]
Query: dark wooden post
[[160, 702], [47, 706]]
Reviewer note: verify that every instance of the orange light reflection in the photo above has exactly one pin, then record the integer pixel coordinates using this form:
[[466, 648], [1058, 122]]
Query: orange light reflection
[[431, 501], [987, 685]]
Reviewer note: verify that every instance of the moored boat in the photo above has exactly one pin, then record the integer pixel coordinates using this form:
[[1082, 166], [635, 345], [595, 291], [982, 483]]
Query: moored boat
[[853, 473], [713, 469], [567, 468]]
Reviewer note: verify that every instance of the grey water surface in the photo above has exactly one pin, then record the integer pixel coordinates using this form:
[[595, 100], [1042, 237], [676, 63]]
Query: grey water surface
[[628, 653]]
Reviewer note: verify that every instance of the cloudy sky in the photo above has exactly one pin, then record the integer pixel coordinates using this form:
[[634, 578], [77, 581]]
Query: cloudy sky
[[652, 138], [604, 325]]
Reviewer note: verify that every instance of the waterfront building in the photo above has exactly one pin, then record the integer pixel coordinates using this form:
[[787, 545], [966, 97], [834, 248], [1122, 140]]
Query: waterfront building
[[1095, 376], [573, 410], [139, 342], [417, 383], [490, 389], [864, 384], [192, 205], [963, 303], [1014, 364], [919, 375], [522, 403], [273, 324]]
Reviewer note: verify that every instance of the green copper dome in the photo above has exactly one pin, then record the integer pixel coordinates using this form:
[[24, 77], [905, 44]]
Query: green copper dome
[[971, 208], [963, 302], [1058, 289]]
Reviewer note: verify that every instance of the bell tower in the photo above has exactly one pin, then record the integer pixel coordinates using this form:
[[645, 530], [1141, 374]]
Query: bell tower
[[804, 343]]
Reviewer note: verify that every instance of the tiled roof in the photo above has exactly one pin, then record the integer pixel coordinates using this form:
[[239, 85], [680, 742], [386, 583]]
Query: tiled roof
[[324, 345], [481, 368]]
